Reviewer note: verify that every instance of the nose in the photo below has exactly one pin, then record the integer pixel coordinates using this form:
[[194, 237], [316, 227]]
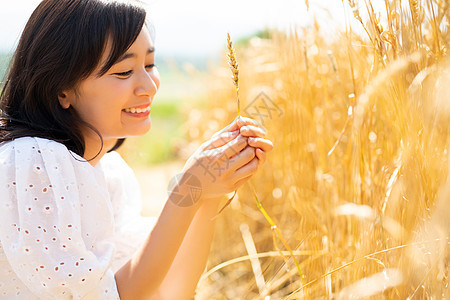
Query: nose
[[148, 83]]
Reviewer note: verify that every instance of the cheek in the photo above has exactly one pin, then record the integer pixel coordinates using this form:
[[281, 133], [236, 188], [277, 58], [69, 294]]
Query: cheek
[[99, 102], [101, 109]]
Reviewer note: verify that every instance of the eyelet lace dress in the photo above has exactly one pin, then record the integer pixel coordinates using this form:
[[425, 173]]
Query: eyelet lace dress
[[65, 226]]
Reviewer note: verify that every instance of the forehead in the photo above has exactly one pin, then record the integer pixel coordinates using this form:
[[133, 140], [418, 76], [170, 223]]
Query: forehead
[[140, 47], [143, 41]]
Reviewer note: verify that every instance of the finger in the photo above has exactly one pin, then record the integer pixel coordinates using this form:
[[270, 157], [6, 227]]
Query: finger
[[242, 121], [261, 155], [242, 158], [247, 170], [221, 139], [229, 128], [263, 144], [238, 123], [234, 146], [249, 130]]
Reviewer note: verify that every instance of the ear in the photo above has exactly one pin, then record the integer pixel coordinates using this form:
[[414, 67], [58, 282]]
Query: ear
[[64, 99]]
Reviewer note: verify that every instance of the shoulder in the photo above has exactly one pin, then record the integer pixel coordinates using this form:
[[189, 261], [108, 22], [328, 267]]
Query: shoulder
[[26, 150], [35, 146], [39, 157]]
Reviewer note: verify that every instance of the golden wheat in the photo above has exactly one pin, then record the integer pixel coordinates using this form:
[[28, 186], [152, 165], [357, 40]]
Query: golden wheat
[[234, 66], [358, 179]]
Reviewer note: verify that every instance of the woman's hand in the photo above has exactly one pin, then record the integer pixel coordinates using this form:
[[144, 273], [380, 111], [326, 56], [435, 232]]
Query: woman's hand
[[223, 163], [256, 137]]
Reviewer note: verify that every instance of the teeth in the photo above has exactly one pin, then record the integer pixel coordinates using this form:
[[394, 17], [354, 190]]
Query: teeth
[[137, 110]]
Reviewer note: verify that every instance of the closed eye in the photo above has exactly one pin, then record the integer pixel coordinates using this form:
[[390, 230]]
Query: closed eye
[[128, 73], [124, 74]]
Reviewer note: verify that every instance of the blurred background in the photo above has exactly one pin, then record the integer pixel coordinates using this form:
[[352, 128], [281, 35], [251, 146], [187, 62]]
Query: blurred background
[[190, 38], [355, 96]]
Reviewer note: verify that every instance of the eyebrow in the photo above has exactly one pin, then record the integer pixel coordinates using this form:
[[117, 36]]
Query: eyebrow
[[132, 55]]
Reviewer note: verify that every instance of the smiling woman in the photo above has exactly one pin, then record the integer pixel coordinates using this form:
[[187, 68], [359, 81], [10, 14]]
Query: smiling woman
[[83, 79], [116, 102], [56, 59]]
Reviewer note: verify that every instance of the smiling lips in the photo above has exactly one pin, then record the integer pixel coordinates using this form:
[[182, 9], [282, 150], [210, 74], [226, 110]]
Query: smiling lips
[[138, 111]]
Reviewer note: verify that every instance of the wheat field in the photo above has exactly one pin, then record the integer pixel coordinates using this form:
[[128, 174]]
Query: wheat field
[[357, 183]]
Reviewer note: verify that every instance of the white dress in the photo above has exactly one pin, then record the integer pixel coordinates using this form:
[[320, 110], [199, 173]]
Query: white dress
[[65, 226]]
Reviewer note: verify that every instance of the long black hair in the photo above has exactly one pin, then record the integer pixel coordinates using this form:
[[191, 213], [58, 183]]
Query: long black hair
[[62, 44]]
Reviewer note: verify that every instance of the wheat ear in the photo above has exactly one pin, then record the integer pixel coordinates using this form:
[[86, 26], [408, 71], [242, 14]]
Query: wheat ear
[[234, 66]]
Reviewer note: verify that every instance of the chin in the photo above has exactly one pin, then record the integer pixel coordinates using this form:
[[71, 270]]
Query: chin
[[141, 130]]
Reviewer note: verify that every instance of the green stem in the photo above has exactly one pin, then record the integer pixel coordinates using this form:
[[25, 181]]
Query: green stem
[[277, 231]]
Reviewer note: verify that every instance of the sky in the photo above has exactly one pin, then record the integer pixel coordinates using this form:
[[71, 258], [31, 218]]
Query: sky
[[195, 27]]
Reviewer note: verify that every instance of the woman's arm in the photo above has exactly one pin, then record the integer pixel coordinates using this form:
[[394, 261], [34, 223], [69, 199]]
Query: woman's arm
[[190, 261], [142, 275]]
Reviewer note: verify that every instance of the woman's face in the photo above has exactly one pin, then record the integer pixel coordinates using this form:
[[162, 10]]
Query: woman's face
[[118, 103]]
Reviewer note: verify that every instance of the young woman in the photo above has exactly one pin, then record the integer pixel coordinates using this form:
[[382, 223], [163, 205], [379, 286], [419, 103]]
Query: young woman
[[82, 79]]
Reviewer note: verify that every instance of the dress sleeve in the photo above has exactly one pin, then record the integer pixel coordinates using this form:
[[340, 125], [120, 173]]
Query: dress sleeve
[[131, 228], [56, 221]]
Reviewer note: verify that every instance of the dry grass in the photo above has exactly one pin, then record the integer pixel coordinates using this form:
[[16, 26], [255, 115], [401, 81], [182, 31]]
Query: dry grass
[[357, 181]]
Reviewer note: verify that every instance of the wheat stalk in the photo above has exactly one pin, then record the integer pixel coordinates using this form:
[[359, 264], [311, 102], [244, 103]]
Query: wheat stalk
[[234, 66], [415, 11], [354, 6], [293, 294], [276, 231]]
